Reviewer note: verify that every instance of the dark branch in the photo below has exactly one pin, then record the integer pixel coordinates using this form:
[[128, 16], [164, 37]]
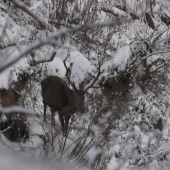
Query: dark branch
[[68, 71], [95, 79]]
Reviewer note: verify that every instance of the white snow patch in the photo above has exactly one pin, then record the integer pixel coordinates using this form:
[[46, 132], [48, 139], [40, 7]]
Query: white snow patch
[[92, 154], [3, 118], [80, 65], [36, 129], [57, 67], [6, 56], [120, 59]]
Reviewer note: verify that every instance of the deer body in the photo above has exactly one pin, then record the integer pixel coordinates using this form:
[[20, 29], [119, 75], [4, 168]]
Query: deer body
[[59, 97]]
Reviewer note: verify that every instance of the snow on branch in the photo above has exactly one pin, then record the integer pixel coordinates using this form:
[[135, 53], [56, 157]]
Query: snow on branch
[[115, 11], [16, 109]]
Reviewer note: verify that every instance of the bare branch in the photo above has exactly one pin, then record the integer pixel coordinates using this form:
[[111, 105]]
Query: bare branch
[[68, 71], [155, 53], [95, 79], [7, 128]]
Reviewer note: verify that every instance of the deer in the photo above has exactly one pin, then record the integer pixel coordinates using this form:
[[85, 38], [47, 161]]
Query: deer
[[14, 127], [8, 97], [59, 97]]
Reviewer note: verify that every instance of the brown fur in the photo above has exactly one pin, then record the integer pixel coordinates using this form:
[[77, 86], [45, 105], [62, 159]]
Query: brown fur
[[8, 97]]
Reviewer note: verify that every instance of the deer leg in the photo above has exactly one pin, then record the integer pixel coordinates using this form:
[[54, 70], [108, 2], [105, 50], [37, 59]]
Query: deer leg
[[52, 118], [62, 122], [52, 125], [67, 118], [45, 111]]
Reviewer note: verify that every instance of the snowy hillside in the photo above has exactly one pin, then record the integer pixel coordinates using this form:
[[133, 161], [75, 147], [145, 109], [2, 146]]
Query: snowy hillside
[[112, 59]]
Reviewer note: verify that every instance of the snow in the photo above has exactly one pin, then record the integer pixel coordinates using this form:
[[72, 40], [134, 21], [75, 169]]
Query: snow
[[6, 56], [16, 109], [119, 12], [77, 16], [120, 59], [12, 32], [36, 129], [57, 67], [92, 154], [95, 130], [3, 118], [36, 5], [3, 7], [41, 56], [81, 66], [113, 164], [11, 160], [137, 92]]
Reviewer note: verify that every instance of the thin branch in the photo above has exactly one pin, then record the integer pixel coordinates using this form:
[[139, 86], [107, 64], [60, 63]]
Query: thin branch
[[98, 74], [155, 53], [7, 128], [161, 34]]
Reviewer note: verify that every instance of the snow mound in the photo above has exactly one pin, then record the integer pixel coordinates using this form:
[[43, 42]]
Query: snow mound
[[119, 60], [81, 66]]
